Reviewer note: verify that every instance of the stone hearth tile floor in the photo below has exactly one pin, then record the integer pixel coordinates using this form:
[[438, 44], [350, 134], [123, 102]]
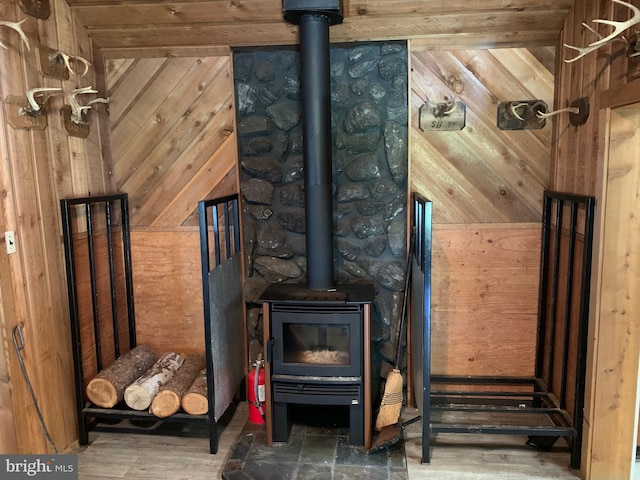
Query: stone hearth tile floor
[[313, 452]]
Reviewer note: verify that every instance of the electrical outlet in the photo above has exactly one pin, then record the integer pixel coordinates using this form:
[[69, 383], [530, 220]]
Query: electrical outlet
[[10, 241]]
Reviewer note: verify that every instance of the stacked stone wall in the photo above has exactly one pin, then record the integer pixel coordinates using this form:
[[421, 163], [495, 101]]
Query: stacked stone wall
[[369, 112]]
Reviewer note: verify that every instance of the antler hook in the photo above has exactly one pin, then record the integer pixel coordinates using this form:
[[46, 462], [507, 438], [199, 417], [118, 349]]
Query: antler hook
[[542, 116], [618, 28], [17, 26], [35, 107], [76, 108], [514, 106], [66, 59]]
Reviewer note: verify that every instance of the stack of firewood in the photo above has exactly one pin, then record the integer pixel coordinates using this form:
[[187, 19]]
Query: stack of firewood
[[145, 381]]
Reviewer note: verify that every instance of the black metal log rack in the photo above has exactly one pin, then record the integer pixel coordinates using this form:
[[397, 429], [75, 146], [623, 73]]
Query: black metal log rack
[[102, 277], [548, 405]]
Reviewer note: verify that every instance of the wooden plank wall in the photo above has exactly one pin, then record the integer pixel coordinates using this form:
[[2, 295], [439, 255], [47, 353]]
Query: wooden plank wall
[[174, 143], [482, 174], [486, 186], [37, 168], [575, 149], [613, 412], [580, 166]]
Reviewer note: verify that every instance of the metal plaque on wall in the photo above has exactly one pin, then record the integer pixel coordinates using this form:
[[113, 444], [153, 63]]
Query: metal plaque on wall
[[442, 116]]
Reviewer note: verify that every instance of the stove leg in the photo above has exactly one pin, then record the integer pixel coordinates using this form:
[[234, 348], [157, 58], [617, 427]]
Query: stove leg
[[281, 422], [356, 424]]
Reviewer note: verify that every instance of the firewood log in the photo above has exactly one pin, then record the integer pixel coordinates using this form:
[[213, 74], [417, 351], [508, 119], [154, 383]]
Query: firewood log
[[140, 393], [168, 400], [195, 401], [106, 389]]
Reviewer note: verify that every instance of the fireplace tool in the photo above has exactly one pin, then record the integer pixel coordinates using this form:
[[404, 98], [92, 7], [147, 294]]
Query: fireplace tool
[[391, 403], [390, 435]]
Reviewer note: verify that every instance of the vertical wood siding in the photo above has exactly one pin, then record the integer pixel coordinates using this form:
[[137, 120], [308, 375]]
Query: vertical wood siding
[[37, 168]]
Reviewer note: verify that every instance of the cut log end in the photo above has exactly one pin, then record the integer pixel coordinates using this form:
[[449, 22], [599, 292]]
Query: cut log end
[[106, 389], [141, 393], [195, 404], [166, 403], [137, 397], [103, 393]]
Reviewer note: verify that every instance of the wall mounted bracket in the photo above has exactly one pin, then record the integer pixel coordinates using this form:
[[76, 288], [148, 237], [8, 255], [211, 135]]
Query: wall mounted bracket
[[442, 116], [51, 68], [633, 64], [36, 8], [15, 106], [73, 129], [582, 104], [521, 115]]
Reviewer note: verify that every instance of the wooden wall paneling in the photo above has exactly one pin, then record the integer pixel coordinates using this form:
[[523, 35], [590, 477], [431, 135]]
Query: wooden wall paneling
[[39, 167], [615, 307], [454, 196], [210, 178], [506, 171], [575, 148], [10, 395], [198, 128], [7, 428], [26, 153], [486, 40], [126, 13], [157, 126], [484, 298], [100, 179], [133, 106], [115, 70], [100, 120], [137, 73], [618, 60], [168, 289], [103, 302]]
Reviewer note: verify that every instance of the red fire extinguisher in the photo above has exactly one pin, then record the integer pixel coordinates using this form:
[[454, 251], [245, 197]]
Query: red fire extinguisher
[[256, 392]]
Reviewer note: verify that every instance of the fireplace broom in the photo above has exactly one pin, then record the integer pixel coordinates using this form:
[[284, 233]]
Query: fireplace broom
[[391, 402]]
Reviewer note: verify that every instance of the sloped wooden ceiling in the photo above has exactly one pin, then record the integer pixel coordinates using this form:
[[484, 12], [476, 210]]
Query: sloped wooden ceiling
[[135, 28]]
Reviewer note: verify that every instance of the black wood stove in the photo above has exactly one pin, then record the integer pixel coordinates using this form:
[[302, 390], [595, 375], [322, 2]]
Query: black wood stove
[[318, 352]]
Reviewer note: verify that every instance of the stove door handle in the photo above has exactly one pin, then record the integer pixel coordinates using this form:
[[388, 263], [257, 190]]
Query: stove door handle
[[270, 343]]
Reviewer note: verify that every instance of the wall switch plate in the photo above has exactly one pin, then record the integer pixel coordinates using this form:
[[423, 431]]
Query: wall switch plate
[[10, 241]]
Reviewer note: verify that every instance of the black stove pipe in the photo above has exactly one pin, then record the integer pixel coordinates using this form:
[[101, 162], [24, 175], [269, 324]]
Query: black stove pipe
[[316, 137]]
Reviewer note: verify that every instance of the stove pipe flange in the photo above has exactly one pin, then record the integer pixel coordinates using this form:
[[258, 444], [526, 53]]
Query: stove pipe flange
[[295, 9]]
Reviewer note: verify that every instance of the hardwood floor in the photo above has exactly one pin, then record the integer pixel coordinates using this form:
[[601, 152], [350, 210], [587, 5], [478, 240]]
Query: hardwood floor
[[454, 457]]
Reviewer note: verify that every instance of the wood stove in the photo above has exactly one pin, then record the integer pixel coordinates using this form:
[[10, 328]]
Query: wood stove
[[318, 353], [316, 336]]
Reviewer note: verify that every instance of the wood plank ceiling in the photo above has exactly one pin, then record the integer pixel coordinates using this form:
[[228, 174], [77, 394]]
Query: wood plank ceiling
[[139, 28]]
